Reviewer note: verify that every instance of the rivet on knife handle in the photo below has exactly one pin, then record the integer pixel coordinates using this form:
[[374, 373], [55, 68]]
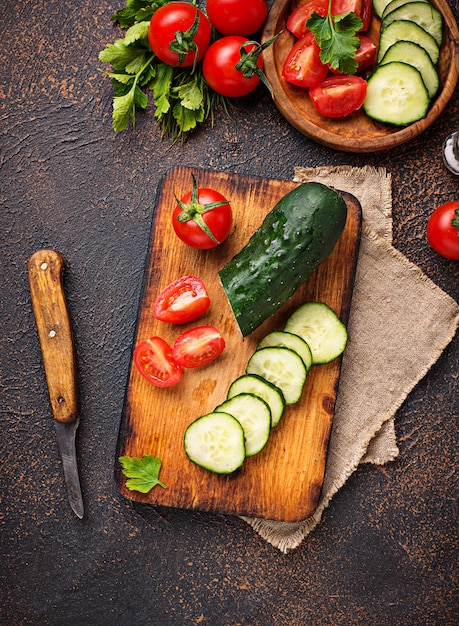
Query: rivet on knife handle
[[54, 331]]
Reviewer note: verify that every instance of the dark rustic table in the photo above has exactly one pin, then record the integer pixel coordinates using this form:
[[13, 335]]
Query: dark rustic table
[[387, 549]]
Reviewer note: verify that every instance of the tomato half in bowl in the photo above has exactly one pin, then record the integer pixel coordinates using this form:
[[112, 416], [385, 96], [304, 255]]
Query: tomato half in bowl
[[338, 96]]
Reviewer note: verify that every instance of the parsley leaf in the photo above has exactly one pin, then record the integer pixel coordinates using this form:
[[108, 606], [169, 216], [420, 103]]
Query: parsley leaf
[[142, 474], [336, 37]]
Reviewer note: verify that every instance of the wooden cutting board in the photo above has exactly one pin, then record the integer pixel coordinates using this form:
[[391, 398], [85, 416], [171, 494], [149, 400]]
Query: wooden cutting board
[[284, 481]]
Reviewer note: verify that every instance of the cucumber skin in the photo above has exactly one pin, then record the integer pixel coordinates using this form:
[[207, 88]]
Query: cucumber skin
[[296, 236]]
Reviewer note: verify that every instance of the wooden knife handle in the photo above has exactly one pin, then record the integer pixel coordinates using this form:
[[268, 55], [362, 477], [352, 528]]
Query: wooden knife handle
[[46, 268]]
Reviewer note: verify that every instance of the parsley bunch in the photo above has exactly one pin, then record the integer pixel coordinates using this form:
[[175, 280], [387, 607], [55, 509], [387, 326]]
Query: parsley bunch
[[181, 97]]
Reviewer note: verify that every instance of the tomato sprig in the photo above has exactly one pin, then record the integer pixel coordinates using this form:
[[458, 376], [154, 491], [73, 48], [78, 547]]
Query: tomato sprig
[[248, 64], [194, 210]]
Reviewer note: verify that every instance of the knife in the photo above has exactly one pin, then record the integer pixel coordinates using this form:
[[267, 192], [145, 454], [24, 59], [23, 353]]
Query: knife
[[46, 268]]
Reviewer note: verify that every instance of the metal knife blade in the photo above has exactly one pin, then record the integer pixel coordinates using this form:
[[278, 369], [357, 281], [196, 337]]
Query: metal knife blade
[[45, 270]]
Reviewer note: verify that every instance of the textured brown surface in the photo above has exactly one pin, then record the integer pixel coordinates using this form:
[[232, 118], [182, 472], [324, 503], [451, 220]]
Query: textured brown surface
[[387, 549]]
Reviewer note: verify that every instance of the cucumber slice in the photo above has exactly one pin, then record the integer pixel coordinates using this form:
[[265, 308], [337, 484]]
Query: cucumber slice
[[424, 15], [403, 30], [281, 367], [255, 418], [395, 4], [216, 442], [282, 339], [322, 330], [379, 6], [260, 387], [413, 54], [396, 95]]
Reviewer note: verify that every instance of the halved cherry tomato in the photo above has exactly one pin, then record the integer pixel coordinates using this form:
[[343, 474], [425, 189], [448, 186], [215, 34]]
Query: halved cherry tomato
[[296, 22], [182, 301], [154, 360], [179, 34], [198, 346], [237, 17], [365, 55], [202, 218], [362, 8], [443, 230], [339, 96], [303, 66], [219, 66]]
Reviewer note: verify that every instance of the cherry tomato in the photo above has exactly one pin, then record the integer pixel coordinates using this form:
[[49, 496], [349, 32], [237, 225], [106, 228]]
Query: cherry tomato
[[303, 66], [296, 22], [237, 17], [154, 360], [365, 55], [339, 96], [362, 8], [202, 218], [219, 67], [198, 346], [443, 230], [182, 301], [179, 34]]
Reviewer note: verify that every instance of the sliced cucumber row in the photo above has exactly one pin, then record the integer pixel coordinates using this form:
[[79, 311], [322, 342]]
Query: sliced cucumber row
[[406, 79], [275, 377]]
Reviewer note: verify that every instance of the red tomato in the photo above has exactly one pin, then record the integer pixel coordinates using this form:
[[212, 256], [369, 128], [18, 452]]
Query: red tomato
[[195, 34], [153, 358], [182, 301], [339, 96], [202, 218], [362, 8], [365, 55], [303, 66], [237, 17], [443, 230], [296, 22], [198, 346], [219, 67]]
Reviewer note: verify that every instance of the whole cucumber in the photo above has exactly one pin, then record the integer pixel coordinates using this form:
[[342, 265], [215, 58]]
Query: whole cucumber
[[294, 238]]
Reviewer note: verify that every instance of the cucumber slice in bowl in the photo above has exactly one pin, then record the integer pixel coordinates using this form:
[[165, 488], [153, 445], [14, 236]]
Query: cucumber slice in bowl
[[265, 390], [413, 54], [321, 328], [253, 413], [424, 15], [404, 30], [282, 339], [396, 94], [283, 368], [215, 441]]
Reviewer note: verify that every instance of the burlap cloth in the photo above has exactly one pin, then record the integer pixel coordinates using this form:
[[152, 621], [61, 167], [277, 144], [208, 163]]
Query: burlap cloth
[[400, 323]]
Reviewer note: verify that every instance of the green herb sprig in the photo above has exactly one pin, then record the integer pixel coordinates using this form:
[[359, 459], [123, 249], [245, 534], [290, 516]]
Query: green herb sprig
[[142, 474], [337, 38]]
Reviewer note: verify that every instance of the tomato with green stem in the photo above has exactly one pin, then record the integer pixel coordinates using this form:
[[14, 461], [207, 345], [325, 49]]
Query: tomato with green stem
[[443, 230], [154, 360], [197, 347], [179, 34], [183, 300], [237, 17], [233, 66], [202, 218]]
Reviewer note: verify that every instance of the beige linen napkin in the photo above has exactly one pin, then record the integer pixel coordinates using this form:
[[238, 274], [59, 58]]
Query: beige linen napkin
[[400, 322]]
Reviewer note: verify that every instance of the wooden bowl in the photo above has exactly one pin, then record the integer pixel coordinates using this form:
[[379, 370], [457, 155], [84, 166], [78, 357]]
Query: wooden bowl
[[357, 132]]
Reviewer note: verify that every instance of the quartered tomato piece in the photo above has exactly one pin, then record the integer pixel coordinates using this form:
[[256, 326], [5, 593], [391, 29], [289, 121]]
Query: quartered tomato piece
[[339, 96], [303, 66], [182, 301], [198, 346], [362, 8], [296, 22], [154, 360]]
